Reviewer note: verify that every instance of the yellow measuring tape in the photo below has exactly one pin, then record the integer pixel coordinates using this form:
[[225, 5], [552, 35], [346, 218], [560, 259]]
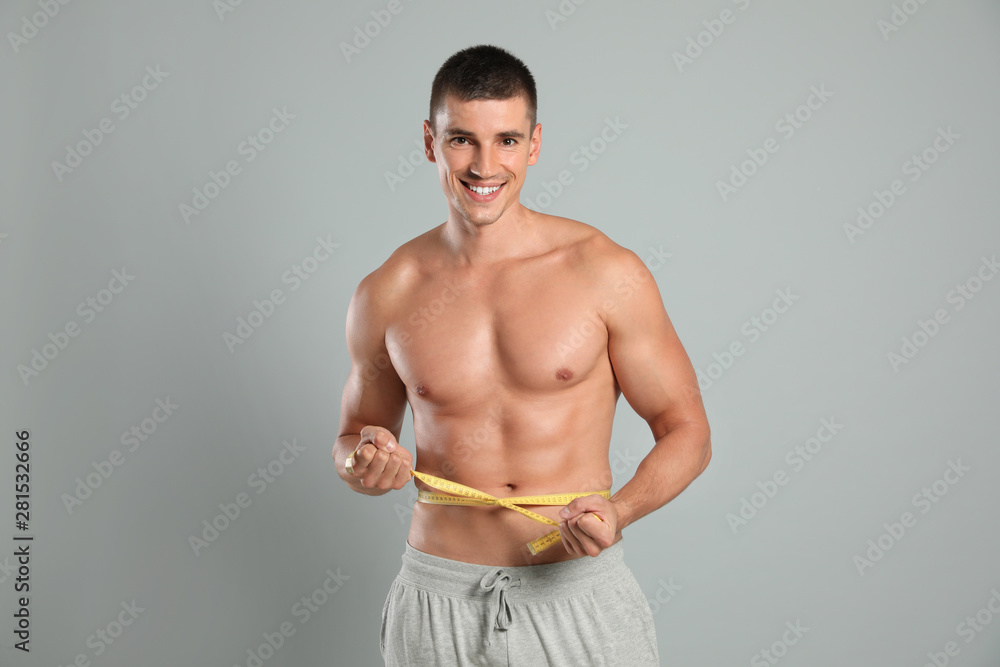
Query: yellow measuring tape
[[466, 495]]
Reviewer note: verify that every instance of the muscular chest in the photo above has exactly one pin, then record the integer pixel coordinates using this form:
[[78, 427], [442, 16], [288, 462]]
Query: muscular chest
[[462, 341]]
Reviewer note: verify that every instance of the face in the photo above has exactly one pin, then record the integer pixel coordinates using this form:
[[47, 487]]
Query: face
[[482, 149]]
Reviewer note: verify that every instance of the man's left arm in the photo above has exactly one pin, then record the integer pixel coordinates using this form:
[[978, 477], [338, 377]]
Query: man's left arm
[[657, 379]]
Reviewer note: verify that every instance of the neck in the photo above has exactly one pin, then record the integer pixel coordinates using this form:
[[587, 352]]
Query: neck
[[514, 234]]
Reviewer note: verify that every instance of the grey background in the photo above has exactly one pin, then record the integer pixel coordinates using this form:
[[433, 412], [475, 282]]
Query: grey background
[[731, 592]]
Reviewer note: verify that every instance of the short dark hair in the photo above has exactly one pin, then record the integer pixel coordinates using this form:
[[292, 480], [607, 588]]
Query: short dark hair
[[484, 72]]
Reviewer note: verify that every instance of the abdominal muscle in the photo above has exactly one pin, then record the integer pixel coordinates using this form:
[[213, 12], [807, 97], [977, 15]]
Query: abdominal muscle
[[504, 465]]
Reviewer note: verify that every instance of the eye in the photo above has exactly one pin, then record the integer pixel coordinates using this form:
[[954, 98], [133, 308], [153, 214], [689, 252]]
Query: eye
[[509, 139], [459, 140]]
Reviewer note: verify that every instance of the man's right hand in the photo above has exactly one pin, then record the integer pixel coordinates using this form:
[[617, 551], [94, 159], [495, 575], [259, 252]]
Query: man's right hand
[[379, 461]]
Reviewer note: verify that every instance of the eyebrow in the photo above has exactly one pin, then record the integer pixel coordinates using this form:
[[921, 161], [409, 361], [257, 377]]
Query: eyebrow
[[459, 132]]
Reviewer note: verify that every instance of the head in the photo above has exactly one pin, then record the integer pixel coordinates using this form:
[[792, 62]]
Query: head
[[482, 131]]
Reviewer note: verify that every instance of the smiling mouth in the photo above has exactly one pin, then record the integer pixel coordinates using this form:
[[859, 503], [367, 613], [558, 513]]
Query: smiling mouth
[[482, 191]]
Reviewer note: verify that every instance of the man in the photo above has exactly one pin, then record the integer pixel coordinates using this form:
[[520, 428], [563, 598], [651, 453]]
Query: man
[[511, 335]]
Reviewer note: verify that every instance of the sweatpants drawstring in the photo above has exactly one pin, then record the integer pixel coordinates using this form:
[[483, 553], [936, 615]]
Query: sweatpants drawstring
[[497, 582]]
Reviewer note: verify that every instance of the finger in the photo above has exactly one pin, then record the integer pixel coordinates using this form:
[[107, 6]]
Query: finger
[[367, 435], [570, 541], [354, 464], [374, 469], [570, 510], [567, 545], [578, 506], [390, 474], [402, 477], [391, 467], [585, 542], [576, 535], [363, 456], [379, 437], [595, 528]]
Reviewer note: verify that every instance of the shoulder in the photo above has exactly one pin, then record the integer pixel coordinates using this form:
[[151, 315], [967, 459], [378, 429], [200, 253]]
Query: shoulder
[[621, 286], [594, 252], [380, 291]]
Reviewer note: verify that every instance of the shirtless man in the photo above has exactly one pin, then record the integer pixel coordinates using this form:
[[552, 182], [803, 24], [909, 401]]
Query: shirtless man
[[511, 335]]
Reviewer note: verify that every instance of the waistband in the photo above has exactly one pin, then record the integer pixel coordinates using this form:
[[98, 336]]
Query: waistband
[[499, 585], [548, 580]]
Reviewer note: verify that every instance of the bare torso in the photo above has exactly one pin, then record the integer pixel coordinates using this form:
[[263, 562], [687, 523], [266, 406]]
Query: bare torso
[[508, 376]]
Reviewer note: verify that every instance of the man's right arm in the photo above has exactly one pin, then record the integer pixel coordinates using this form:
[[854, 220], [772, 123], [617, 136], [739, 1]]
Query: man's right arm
[[374, 401]]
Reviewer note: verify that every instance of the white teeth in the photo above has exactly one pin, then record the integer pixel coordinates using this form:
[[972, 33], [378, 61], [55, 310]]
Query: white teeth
[[483, 191]]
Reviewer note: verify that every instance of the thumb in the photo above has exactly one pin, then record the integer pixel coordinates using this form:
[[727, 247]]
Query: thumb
[[579, 506]]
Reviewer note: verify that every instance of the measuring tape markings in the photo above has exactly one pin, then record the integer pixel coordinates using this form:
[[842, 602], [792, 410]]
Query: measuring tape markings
[[466, 495]]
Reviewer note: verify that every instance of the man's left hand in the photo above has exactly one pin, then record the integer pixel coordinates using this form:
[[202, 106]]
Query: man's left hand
[[588, 525]]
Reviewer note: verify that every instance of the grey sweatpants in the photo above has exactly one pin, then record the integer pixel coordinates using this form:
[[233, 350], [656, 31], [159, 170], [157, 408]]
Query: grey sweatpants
[[581, 612]]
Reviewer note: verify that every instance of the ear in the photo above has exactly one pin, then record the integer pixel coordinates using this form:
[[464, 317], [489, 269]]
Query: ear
[[429, 142], [536, 144]]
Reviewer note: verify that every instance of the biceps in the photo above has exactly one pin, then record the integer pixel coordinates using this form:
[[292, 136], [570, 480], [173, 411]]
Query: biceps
[[374, 395], [653, 369]]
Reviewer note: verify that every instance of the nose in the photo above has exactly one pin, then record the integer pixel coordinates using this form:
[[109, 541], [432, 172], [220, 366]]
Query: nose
[[484, 164]]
